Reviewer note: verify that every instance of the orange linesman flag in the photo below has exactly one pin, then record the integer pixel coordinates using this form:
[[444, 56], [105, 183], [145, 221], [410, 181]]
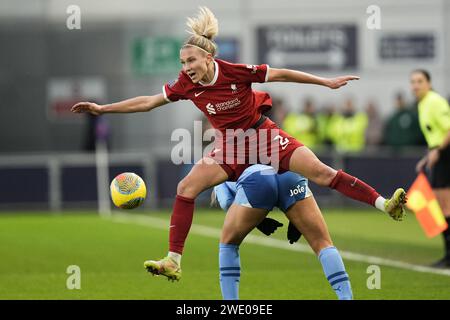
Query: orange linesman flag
[[423, 202]]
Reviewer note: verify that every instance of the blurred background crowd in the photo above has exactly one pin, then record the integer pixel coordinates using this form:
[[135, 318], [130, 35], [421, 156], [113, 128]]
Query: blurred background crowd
[[349, 127]]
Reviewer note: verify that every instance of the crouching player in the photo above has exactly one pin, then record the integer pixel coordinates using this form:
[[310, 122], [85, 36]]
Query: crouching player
[[247, 202]]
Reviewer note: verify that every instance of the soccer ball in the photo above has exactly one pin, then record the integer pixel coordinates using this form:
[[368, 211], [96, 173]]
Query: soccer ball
[[128, 190]]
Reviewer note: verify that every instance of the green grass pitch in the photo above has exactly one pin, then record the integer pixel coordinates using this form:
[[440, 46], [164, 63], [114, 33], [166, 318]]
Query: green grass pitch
[[37, 247]]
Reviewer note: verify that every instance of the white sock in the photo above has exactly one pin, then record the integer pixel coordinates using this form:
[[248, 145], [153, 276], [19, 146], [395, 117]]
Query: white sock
[[379, 203], [175, 257]]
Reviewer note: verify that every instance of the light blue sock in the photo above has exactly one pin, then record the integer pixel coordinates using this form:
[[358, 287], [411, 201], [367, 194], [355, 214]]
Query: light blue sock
[[230, 271], [334, 270]]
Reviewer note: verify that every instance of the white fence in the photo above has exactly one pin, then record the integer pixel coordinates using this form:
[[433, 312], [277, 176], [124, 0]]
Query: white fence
[[55, 162]]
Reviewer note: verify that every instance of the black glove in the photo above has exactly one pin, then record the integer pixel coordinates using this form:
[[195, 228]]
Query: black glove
[[293, 234], [268, 226]]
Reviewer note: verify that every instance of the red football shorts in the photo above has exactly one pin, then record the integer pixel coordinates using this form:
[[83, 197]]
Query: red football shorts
[[236, 150]]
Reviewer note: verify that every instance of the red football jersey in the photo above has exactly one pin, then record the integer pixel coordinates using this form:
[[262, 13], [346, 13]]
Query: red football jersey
[[228, 101]]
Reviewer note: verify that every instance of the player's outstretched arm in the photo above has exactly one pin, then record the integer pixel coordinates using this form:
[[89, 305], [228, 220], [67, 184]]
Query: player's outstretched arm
[[286, 75], [138, 104]]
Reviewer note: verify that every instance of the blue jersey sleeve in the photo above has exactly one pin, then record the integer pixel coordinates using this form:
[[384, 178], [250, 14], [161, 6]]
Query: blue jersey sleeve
[[225, 194]]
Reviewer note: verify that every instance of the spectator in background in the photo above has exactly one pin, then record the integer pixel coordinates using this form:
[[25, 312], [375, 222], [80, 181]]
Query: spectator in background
[[90, 135], [303, 126], [374, 132], [349, 128], [402, 127], [324, 120], [278, 111]]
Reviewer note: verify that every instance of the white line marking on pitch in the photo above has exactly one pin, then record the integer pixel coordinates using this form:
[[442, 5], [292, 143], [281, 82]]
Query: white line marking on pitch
[[274, 243]]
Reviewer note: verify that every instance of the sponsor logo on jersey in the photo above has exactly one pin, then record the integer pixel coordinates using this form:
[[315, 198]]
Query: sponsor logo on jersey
[[233, 88], [222, 106], [230, 104], [210, 108]]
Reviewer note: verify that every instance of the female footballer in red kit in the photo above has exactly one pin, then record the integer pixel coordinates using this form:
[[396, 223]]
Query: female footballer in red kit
[[223, 92]]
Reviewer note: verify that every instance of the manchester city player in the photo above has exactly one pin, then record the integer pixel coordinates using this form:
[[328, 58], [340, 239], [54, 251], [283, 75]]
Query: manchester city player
[[247, 202]]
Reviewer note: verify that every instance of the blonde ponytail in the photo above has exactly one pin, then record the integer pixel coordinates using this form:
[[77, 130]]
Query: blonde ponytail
[[203, 29]]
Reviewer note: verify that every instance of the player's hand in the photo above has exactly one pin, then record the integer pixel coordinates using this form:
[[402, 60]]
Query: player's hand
[[90, 107], [268, 226], [433, 157], [421, 164], [336, 83], [293, 234]]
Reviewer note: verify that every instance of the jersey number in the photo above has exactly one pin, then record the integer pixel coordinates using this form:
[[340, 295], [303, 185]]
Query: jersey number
[[283, 141]]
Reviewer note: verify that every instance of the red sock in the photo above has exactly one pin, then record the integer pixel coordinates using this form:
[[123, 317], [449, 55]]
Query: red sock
[[354, 188], [180, 223]]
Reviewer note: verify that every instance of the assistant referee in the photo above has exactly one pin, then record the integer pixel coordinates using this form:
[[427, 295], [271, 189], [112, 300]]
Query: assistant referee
[[434, 118]]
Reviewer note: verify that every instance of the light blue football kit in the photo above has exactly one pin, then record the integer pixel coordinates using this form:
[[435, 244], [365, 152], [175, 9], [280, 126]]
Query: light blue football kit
[[261, 187]]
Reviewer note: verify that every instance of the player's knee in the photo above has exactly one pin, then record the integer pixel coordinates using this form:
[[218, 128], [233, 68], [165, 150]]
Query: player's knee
[[230, 238], [324, 175], [187, 189]]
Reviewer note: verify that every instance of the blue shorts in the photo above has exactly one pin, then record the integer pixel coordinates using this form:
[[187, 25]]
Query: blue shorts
[[261, 187], [292, 187]]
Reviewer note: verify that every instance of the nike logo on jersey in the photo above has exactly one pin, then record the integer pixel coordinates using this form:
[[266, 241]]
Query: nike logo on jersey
[[198, 93], [354, 182]]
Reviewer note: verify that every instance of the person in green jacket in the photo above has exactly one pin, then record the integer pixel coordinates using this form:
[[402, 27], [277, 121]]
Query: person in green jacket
[[303, 126], [348, 129], [324, 123], [434, 119], [402, 127]]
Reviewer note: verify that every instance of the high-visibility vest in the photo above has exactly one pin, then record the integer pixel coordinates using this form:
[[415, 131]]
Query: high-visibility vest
[[349, 132], [302, 127]]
